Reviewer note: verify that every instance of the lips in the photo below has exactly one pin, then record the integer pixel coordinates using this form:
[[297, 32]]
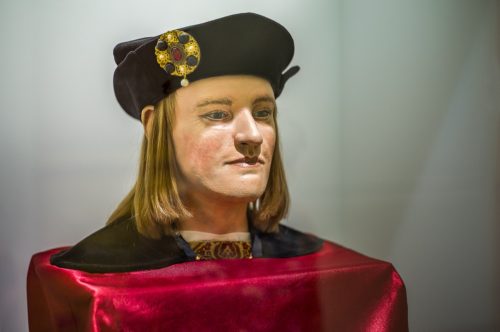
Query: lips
[[246, 161]]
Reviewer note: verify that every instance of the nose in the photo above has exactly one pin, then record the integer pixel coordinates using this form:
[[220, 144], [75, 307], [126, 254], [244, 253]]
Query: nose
[[247, 137]]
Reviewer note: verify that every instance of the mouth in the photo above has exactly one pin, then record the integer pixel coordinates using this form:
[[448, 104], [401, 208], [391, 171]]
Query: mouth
[[247, 162]]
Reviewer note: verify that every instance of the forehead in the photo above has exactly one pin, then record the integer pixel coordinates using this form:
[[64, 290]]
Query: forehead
[[234, 87]]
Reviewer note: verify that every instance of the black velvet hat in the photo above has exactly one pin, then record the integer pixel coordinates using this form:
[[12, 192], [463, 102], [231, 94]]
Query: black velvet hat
[[148, 69]]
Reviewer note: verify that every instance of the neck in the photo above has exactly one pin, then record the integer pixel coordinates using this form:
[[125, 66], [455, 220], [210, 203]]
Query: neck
[[215, 216]]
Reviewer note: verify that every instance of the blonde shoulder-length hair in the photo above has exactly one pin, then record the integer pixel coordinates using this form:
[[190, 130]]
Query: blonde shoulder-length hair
[[154, 201]]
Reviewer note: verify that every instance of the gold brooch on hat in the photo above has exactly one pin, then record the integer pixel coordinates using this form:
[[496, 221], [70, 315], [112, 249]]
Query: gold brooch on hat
[[178, 53]]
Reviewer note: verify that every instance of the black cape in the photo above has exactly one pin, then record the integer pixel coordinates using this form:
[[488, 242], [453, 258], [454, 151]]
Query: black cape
[[119, 247]]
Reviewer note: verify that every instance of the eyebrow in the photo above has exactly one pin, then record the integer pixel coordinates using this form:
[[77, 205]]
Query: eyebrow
[[223, 101], [264, 98], [229, 102]]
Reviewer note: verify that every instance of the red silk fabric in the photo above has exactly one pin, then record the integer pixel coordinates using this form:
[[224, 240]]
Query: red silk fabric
[[335, 289]]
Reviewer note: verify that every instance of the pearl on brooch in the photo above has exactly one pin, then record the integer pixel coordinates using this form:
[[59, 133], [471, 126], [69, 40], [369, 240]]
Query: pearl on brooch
[[184, 82]]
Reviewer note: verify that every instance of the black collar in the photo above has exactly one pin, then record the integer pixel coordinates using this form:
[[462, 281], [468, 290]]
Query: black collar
[[119, 247]]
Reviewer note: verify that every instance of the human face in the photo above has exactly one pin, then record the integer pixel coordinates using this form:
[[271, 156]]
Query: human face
[[224, 136]]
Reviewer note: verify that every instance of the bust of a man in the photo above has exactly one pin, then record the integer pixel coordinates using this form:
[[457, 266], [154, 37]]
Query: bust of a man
[[211, 182], [183, 250]]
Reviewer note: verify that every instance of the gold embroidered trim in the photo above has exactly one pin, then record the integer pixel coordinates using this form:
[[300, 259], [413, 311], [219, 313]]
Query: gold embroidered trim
[[221, 249]]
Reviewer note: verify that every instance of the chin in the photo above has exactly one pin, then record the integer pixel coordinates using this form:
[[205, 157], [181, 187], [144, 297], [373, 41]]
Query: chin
[[246, 188], [247, 192], [243, 193]]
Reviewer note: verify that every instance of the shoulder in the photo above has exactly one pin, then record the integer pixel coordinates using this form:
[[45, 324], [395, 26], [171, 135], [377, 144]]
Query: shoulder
[[119, 247], [289, 242]]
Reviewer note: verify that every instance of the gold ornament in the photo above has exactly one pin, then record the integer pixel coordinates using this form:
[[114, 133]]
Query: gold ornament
[[178, 53]]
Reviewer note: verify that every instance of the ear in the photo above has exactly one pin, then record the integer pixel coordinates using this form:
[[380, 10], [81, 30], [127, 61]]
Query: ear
[[147, 115]]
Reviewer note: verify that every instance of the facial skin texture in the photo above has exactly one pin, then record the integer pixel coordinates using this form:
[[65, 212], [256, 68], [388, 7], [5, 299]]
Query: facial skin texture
[[224, 137]]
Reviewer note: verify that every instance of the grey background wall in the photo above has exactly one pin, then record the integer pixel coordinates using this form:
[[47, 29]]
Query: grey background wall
[[390, 136]]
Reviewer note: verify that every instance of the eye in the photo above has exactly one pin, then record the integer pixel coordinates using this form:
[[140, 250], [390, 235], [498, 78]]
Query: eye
[[217, 115], [262, 114]]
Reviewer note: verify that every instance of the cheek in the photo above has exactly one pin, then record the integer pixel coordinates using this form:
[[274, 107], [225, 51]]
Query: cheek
[[269, 140], [198, 152], [203, 153]]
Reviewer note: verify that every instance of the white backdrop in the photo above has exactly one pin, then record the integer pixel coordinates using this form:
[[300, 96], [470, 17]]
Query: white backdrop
[[390, 135]]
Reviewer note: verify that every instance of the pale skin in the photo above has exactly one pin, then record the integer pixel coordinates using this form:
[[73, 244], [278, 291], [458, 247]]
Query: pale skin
[[224, 137]]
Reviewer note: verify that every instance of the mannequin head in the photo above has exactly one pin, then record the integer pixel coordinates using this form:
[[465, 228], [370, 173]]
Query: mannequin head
[[217, 139], [223, 136]]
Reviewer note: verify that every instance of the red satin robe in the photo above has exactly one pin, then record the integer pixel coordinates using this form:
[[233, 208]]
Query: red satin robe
[[334, 289]]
